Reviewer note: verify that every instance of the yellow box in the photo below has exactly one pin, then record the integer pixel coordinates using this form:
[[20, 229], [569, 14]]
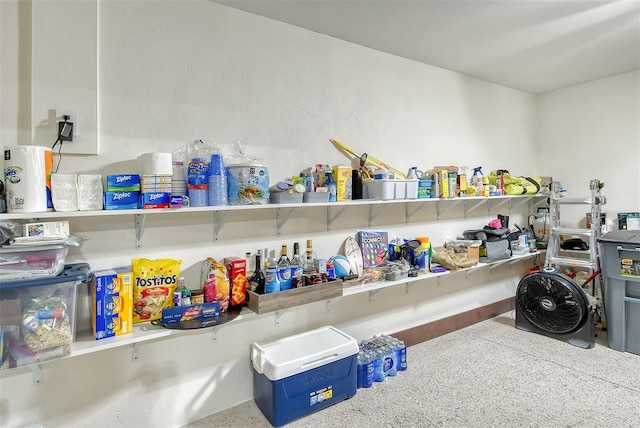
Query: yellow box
[[443, 179], [342, 177]]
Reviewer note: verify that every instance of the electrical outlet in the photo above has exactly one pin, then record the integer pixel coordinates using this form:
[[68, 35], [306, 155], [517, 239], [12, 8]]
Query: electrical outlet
[[73, 115]]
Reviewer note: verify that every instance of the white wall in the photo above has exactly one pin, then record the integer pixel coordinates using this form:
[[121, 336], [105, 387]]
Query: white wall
[[170, 72], [588, 131]]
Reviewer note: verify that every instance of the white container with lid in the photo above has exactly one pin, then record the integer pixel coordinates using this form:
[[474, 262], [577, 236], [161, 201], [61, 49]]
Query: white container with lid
[[299, 353]]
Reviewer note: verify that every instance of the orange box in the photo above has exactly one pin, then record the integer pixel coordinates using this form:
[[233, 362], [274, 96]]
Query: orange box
[[237, 272]]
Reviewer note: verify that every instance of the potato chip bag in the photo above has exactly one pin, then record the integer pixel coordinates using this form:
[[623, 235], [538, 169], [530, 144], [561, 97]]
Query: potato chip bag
[[154, 282], [215, 283]]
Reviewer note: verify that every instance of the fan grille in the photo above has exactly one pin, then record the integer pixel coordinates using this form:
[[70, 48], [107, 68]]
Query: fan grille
[[552, 302]]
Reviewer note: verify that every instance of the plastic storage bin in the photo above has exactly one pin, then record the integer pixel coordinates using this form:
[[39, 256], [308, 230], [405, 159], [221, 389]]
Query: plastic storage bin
[[379, 189], [620, 257], [24, 262], [37, 317], [285, 198], [299, 375]]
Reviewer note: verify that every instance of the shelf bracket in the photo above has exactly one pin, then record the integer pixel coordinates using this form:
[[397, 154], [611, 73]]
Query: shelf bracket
[[214, 334], [134, 352], [516, 203], [498, 205], [468, 210], [139, 229], [218, 222], [410, 212], [373, 293], [37, 375], [278, 314], [330, 303], [373, 216], [282, 219], [332, 218], [441, 211]]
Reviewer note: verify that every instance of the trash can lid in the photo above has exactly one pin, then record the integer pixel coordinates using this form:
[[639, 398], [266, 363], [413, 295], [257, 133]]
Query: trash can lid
[[621, 237]]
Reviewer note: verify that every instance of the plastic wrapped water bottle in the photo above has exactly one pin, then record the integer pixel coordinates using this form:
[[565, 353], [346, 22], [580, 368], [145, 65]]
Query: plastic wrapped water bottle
[[401, 351], [365, 369], [390, 360], [378, 365]]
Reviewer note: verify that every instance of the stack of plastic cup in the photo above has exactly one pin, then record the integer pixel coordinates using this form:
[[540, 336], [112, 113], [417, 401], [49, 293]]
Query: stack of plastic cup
[[217, 181], [197, 182]]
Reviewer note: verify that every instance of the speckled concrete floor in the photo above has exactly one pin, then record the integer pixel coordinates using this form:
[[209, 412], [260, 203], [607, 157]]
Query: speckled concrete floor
[[487, 375]]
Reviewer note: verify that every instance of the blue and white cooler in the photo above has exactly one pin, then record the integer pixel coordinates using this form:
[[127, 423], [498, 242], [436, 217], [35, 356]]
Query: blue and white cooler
[[301, 374]]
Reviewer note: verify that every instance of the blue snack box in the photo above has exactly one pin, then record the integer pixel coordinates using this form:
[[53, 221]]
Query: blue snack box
[[190, 312], [154, 200], [302, 374], [123, 183], [121, 200]]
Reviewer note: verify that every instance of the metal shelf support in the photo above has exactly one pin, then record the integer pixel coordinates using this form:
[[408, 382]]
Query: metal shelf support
[[282, 219], [331, 218], [139, 223], [411, 212], [468, 210], [134, 352], [452, 203], [219, 219], [373, 293], [37, 375], [373, 216]]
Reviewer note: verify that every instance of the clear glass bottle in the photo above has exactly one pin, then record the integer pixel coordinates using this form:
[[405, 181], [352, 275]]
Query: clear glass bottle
[[257, 280], [284, 270], [272, 281], [309, 267], [297, 270]]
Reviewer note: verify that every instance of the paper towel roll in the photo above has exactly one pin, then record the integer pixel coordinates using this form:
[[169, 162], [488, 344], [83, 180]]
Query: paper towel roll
[[90, 192], [27, 171], [155, 164], [64, 192]]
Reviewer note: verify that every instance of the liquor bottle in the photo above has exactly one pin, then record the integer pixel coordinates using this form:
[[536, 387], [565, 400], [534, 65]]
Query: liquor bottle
[[257, 280], [309, 267], [296, 268], [272, 282], [284, 270]]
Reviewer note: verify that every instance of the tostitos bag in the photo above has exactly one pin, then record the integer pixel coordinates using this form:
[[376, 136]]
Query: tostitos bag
[[154, 282], [517, 185]]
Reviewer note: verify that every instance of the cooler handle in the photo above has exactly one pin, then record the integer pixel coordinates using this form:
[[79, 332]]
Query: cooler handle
[[620, 248], [257, 356], [319, 360]]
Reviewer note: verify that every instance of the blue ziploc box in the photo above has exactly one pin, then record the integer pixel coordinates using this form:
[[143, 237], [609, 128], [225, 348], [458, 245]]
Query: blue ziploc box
[[154, 200], [112, 302], [121, 200], [123, 183], [190, 312]]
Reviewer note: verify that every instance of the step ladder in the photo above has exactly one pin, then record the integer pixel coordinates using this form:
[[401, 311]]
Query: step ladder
[[553, 256]]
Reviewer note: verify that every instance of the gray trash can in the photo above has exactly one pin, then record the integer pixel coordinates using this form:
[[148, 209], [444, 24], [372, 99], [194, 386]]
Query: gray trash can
[[620, 260]]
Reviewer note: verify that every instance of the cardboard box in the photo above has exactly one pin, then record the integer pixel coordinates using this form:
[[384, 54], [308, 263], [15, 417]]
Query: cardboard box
[[112, 303], [238, 282], [154, 200], [49, 228], [190, 312], [123, 183], [121, 200], [342, 177]]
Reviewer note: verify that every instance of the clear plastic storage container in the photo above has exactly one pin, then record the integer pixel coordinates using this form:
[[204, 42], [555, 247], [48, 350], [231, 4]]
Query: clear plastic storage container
[[24, 262]]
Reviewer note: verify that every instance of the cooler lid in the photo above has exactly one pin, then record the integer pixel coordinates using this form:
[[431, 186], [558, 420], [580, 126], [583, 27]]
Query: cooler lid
[[305, 351], [621, 237]]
